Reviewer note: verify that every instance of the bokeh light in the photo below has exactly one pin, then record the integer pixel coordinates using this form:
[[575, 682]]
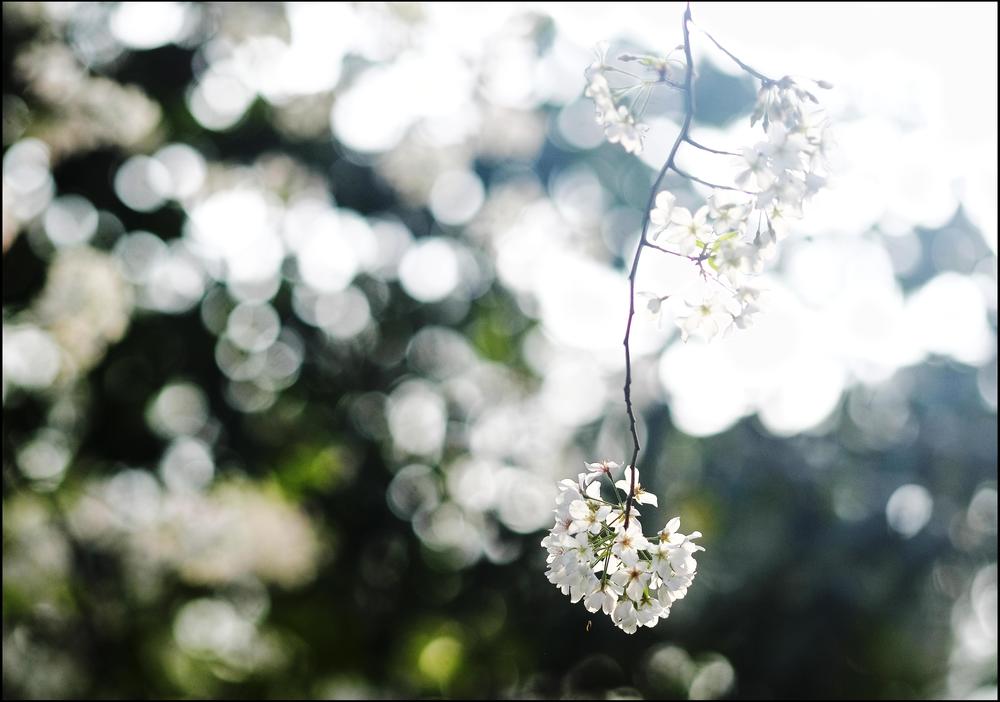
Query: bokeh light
[[309, 306]]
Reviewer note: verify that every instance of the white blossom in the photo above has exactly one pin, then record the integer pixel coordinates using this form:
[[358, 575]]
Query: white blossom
[[595, 560], [625, 617], [641, 496], [744, 319], [604, 598], [589, 514], [634, 579], [599, 91], [649, 611], [735, 259], [706, 317], [661, 214], [628, 542], [599, 469], [621, 128], [785, 150], [650, 306], [614, 110], [688, 233], [728, 213], [754, 162], [780, 102]]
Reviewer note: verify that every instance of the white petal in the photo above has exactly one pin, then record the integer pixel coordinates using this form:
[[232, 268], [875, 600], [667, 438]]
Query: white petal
[[681, 216], [594, 601], [665, 200], [579, 509], [634, 589], [608, 605]]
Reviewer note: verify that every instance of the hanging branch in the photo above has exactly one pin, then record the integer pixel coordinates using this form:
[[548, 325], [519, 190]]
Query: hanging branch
[[643, 242], [640, 576]]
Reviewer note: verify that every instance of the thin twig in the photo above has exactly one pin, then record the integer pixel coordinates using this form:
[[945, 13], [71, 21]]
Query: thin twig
[[672, 84], [695, 259], [696, 179], [709, 149], [756, 74]]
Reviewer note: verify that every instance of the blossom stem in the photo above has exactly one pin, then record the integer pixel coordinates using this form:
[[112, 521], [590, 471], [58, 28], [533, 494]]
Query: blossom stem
[[696, 179], [604, 574], [651, 245], [709, 149], [756, 74], [645, 99], [681, 136], [613, 69]]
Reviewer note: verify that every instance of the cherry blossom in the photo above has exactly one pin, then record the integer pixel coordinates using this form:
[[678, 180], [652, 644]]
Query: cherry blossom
[[594, 559], [641, 496], [706, 317]]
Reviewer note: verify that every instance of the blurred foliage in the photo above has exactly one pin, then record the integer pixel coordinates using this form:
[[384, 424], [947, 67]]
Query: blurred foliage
[[804, 591]]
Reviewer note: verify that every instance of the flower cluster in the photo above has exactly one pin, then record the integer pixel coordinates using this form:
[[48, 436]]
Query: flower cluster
[[732, 236], [594, 557], [782, 101], [736, 232], [621, 95]]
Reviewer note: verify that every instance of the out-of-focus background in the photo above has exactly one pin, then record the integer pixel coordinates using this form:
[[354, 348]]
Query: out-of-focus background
[[307, 307]]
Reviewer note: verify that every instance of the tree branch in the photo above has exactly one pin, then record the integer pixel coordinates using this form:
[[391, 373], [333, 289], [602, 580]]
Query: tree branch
[[643, 242]]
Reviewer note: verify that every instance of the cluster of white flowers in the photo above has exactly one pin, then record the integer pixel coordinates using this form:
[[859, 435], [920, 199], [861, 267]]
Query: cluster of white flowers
[[620, 106], [732, 236], [593, 556]]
